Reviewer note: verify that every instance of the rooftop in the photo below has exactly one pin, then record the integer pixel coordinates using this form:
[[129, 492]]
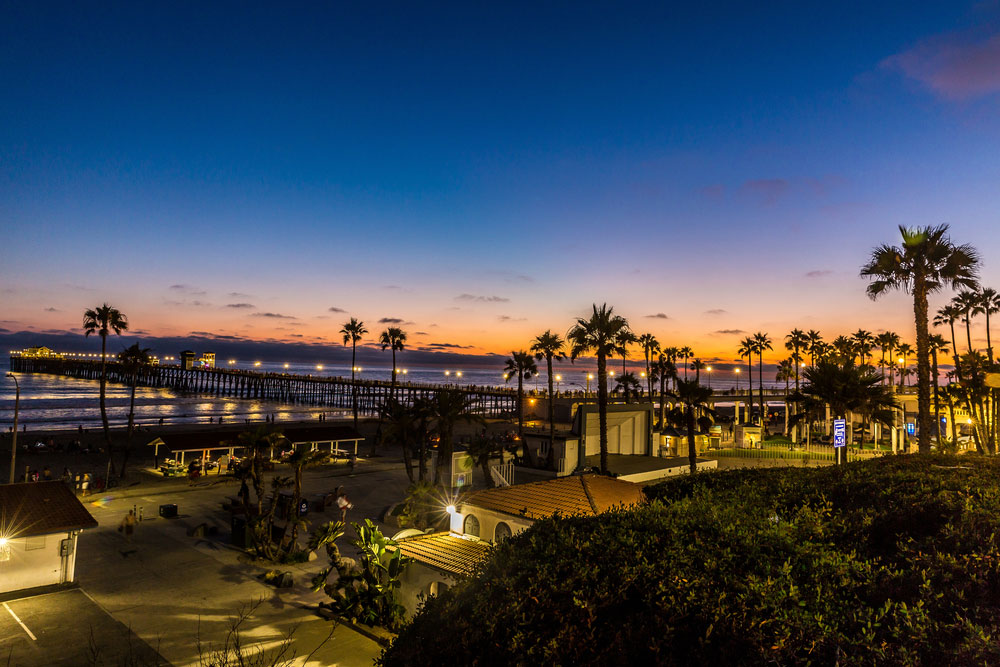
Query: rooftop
[[41, 508], [445, 551], [582, 494], [201, 440]]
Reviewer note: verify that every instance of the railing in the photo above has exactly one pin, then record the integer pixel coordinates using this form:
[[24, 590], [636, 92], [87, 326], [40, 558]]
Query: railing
[[801, 454], [502, 474]]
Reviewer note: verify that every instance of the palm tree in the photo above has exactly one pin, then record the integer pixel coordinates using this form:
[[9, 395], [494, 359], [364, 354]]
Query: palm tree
[[887, 342], [628, 382], [393, 338], [949, 314], [815, 345], [863, 343], [685, 353], [926, 261], [134, 359], [695, 398], [299, 460], [844, 347], [761, 342], [353, 331], [599, 334], [482, 449], [103, 320], [448, 407], [697, 366], [937, 344], [748, 349], [400, 426], [522, 366], [671, 353], [255, 443], [967, 301], [848, 388], [795, 342], [989, 304], [549, 346], [650, 347], [904, 350], [663, 370], [625, 338]]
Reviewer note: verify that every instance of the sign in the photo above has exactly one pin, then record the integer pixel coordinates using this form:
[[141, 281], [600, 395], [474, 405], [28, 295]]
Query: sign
[[911, 428], [840, 433]]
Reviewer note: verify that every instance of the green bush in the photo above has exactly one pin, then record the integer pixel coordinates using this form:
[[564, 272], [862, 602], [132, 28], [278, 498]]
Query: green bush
[[889, 561]]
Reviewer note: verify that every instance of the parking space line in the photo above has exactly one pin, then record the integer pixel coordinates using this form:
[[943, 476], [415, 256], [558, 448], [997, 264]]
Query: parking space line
[[25, 627]]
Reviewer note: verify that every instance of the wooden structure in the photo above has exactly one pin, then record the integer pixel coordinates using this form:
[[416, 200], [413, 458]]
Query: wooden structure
[[334, 392]]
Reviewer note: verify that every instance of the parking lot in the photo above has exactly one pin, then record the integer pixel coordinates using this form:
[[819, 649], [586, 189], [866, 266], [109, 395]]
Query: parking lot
[[68, 628]]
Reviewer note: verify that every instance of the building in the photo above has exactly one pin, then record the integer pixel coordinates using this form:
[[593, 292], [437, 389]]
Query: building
[[486, 517], [341, 441], [40, 523]]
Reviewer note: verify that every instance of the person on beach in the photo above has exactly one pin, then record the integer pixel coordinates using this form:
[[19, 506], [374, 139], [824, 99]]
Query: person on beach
[[128, 525]]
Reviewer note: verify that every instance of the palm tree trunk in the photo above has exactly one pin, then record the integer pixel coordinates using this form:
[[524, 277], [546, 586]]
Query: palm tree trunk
[[131, 426], [663, 386], [104, 408], [760, 385], [552, 411], [989, 344], [354, 386], [923, 365], [937, 403], [968, 330], [692, 453], [602, 409]]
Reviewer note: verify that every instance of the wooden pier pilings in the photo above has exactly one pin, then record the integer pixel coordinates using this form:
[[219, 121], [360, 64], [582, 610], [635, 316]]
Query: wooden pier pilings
[[334, 392]]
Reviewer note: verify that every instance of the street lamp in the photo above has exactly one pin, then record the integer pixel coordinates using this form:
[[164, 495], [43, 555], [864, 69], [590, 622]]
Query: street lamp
[[558, 384], [590, 376], [17, 405], [736, 371], [709, 370]]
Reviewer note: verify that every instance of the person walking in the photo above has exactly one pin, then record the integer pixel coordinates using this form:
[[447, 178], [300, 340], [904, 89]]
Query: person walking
[[128, 525], [343, 504], [85, 484]]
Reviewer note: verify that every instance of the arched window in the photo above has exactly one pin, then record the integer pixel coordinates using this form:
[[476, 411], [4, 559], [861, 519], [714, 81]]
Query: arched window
[[438, 587], [502, 532], [471, 526]]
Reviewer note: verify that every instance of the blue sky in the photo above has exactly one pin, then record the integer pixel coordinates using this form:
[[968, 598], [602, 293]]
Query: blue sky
[[393, 160]]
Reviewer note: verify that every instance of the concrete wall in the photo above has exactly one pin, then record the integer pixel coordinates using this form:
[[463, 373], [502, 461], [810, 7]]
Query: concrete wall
[[420, 581], [36, 561], [488, 520]]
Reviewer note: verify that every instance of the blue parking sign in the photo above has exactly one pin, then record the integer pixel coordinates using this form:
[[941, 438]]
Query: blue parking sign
[[840, 433]]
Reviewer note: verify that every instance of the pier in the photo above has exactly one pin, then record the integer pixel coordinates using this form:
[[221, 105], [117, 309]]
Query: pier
[[334, 392]]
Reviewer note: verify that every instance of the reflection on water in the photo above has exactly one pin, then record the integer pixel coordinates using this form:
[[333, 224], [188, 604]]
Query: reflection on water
[[54, 402]]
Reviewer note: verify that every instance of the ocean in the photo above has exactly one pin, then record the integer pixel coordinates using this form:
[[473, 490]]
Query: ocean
[[55, 402]]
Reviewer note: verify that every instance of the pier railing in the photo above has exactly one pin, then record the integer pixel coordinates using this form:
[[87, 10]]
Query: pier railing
[[334, 392]]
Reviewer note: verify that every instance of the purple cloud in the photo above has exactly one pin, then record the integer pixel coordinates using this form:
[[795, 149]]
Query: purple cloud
[[954, 66], [659, 316], [819, 273]]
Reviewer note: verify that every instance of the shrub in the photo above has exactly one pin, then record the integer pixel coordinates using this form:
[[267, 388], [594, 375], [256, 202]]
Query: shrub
[[893, 560]]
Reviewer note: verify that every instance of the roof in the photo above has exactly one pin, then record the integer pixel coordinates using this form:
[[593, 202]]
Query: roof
[[201, 440], [578, 494], [445, 551], [41, 508]]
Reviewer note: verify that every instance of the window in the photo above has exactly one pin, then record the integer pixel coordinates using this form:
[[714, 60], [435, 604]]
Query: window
[[471, 526], [502, 532], [438, 587], [36, 542]]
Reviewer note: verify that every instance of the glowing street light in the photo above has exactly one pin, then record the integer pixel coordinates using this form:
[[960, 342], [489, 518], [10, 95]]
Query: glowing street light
[[736, 371], [558, 384], [319, 367], [450, 509], [286, 366], [709, 370], [590, 376], [256, 364], [459, 373]]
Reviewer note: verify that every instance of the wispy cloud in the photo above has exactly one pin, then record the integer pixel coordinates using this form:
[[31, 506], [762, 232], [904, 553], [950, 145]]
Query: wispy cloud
[[716, 311], [769, 190], [818, 273], [659, 316], [508, 318], [447, 346], [481, 299], [391, 320], [239, 295], [240, 305], [953, 66], [334, 309], [276, 316], [730, 332], [187, 289], [50, 309]]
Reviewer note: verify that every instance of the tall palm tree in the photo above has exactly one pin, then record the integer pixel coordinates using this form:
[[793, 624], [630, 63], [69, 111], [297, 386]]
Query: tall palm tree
[[967, 301], [847, 388], [697, 366], [522, 366], [863, 343], [628, 382], [887, 342], [989, 304], [695, 398], [949, 314], [598, 333], [353, 331], [102, 321], [625, 338], [844, 347], [815, 345], [685, 353], [393, 338], [134, 359], [795, 342], [747, 349], [650, 347], [663, 370], [761, 343], [937, 344], [904, 350], [449, 407], [926, 261], [550, 346]]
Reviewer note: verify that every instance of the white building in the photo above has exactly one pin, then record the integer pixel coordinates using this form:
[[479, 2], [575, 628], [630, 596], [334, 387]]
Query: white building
[[39, 526]]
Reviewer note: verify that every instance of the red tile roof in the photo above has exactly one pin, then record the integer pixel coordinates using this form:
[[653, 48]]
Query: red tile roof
[[41, 508], [578, 494], [445, 551]]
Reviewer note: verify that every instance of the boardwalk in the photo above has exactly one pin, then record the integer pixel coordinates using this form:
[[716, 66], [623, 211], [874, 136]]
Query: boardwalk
[[283, 387]]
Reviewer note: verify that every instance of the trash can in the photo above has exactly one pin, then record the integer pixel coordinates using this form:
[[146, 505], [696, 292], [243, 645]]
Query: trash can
[[240, 536], [168, 511]]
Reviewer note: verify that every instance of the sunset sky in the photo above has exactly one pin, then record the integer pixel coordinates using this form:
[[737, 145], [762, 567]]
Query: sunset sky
[[481, 172]]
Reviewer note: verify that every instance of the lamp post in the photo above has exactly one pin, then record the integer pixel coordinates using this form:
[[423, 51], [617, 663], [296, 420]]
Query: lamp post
[[17, 405], [708, 369], [736, 371], [558, 384], [590, 376]]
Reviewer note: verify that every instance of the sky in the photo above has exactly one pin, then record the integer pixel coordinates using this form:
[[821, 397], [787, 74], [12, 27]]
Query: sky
[[477, 173]]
